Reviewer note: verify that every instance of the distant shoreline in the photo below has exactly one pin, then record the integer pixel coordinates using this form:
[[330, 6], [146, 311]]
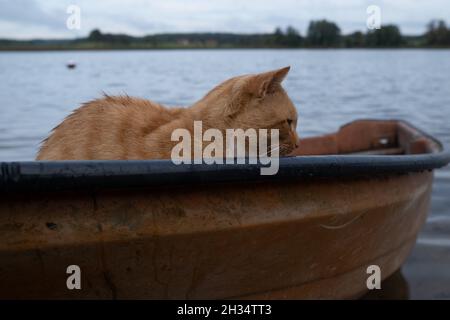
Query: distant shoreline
[[321, 34]]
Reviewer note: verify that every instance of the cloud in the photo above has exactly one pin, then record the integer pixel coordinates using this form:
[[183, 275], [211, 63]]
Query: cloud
[[31, 19], [29, 13], [46, 18]]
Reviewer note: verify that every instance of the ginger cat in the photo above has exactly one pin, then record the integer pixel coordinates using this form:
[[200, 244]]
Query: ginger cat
[[124, 128]]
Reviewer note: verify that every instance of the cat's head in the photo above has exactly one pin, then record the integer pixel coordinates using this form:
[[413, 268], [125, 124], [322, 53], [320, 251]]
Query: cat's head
[[258, 101]]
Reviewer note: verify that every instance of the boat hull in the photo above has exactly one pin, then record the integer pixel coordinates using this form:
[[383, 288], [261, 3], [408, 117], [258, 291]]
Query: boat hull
[[304, 238]]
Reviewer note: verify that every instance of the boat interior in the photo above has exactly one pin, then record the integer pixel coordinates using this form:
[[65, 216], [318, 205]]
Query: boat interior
[[370, 137]]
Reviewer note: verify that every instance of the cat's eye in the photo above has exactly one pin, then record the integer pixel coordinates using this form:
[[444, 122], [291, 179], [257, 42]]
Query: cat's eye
[[289, 121]]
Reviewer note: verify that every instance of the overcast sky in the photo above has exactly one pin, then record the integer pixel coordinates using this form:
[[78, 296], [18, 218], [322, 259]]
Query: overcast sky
[[28, 19]]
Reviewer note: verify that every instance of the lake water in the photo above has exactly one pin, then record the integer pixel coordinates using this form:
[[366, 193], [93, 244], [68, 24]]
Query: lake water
[[329, 87]]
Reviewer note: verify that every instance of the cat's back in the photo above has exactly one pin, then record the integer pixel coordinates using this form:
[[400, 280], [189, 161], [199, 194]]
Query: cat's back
[[107, 128]]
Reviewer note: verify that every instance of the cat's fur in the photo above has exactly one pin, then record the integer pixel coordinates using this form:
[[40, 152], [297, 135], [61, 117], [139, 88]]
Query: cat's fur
[[131, 128]]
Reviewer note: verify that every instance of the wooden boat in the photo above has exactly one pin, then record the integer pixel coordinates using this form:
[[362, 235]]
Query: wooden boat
[[150, 229]]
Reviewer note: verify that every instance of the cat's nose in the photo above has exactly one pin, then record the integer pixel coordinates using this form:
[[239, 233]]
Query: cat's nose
[[297, 142]]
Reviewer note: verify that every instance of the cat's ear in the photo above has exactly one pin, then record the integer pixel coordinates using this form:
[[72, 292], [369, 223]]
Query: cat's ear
[[268, 82], [258, 85]]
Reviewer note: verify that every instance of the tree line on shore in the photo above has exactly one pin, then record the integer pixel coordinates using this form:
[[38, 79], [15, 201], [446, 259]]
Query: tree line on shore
[[320, 34]]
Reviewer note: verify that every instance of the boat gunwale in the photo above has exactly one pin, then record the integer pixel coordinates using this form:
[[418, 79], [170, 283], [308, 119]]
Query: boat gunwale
[[79, 175]]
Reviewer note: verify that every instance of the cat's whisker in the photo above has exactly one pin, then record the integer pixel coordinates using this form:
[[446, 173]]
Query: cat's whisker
[[269, 151]]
